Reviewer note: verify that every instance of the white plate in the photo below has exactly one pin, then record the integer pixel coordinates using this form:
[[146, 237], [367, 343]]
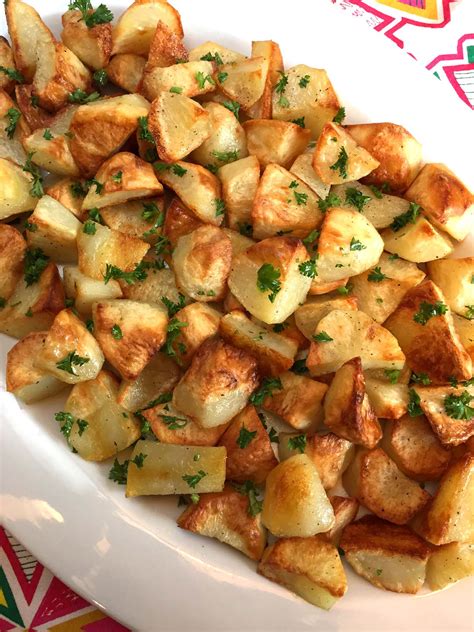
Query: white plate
[[127, 556]]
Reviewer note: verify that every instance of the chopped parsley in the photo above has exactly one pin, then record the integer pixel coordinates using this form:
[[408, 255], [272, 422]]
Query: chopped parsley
[[429, 310], [300, 198], [94, 183], [139, 459], [279, 327], [144, 131], [245, 437], [245, 229], [267, 280], [376, 275], [269, 385], [409, 217], [172, 332], [341, 163], [174, 423], [35, 263], [222, 76], [309, 240], [95, 215], [356, 245], [178, 170], [176, 89], [323, 336], [30, 226], [420, 378], [90, 325], [82, 424], [47, 134], [248, 489], [340, 116], [193, 479], [280, 88], [67, 421], [392, 375], [91, 17], [116, 332], [299, 121], [117, 177], [13, 74], [70, 361], [304, 81], [344, 289], [299, 367], [297, 443], [330, 200], [233, 106], [201, 79], [81, 97], [118, 472], [172, 307], [469, 312], [115, 273], [356, 198], [308, 268], [457, 406], [100, 77], [37, 182], [77, 190], [226, 156], [414, 409], [13, 116], [215, 58], [220, 207], [89, 227]]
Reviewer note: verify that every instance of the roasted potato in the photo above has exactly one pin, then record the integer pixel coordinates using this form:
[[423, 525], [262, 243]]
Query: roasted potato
[[347, 409], [7, 61], [377, 483], [465, 330], [338, 158], [126, 71], [319, 286], [316, 102], [418, 241], [86, 291], [157, 284], [201, 262], [55, 230], [70, 193], [345, 512], [450, 563], [425, 331], [303, 169], [137, 218], [12, 255], [201, 322], [295, 502], [173, 469], [445, 200], [273, 352], [189, 79], [275, 142], [70, 353], [179, 221], [389, 556], [100, 427], [330, 454], [209, 49], [239, 242], [342, 335], [450, 515], [389, 401], [166, 49], [414, 447], [266, 278], [283, 204], [15, 190], [13, 130], [34, 115], [23, 378], [454, 277], [239, 181], [308, 315], [397, 151], [249, 451], [93, 45], [217, 384], [225, 516], [270, 51], [244, 80]]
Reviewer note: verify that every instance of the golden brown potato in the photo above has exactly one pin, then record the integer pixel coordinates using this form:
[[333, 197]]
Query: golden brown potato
[[270, 51], [70, 353], [273, 352], [34, 115], [126, 71], [12, 254], [275, 142], [249, 451], [179, 221], [86, 291], [338, 158], [13, 131], [129, 333], [319, 286], [23, 379], [343, 335], [418, 241], [397, 151], [455, 277], [347, 409], [389, 556], [330, 454], [295, 502], [136, 27], [450, 515], [465, 330], [379, 291], [34, 303], [284, 204], [445, 200], [197, 188], [137, 218], [450, 563], [93, 45], [105, 249], [345, 511], [201, 263], [425, 331], [189, 79], [303, 169], [414, 447], [348, 245], [266, 278], [100, 427], [27, 30], [225, 516], [448, 411], [377, 483], [308, 315], [209, 49], [15, 190], [297, 400], [166, 48], [244, 81], [218, 383], [7, 61], [170, 425], [158, 283], [389, 401], [100, 129], [307, 94], [70, 193], [239, 242], [239, 181]]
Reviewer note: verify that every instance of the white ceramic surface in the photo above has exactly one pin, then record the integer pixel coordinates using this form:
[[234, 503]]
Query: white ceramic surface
[[127, 556]]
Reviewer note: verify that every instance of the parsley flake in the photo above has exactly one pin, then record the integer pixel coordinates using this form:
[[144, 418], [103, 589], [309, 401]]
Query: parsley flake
[[308, 268], [329, 201], [70, 361], [81, 97], [409, 217], [414, 409], [392, 375], [245, 437], [356, 198], [376, 275], [35, 263], [13, 116], [267, 280], [457, 406], [322, 336], [100, 77], [248, 489], [297, 443], [116, 332], [201, 79], [340, 116], [269, 385], [304, 81], [37, 182], [341, 163], [172, 307], [193, 479], [220, 207], [429, 310], [233, 106], [299, 121], [91, 17], [13, 74], [280, 88]]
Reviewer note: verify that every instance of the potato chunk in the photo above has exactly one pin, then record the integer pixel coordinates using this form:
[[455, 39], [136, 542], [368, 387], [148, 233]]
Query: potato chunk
[[308, 315], [389, 556], [158, 283], [225, 516], [167, 48], [449, 564], [93, 45], [70, 352], [338, 158], [12, 254], [66, 192], [295, 502], [202, 322], [270, 51], [179, 221], [15, 190], [454, 278], [273, 352], [347, 409], [217, 385], [239, 181], [7, 61], [100, 427], [450, 515], [275, 142], [129, 333], [137, 218], [266, 278], [191, 78], [352, 334], [348, 245], [298, 401], [445, 200], [380, 290], [418, 241], [345, 511], [284, 204], [397, 151], [330, 454], [23, 378], [202, 261], [465, 330], [211, 48], [245, 80], [12, 135], [424, 328], [377, 483], [249, 451], [172, 469], [126, 71], [303, 169], [310, 567], [86, 291], [389, 401]]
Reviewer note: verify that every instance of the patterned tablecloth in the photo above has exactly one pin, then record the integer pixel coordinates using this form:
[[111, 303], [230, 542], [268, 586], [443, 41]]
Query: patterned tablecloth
[[433, 32]]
